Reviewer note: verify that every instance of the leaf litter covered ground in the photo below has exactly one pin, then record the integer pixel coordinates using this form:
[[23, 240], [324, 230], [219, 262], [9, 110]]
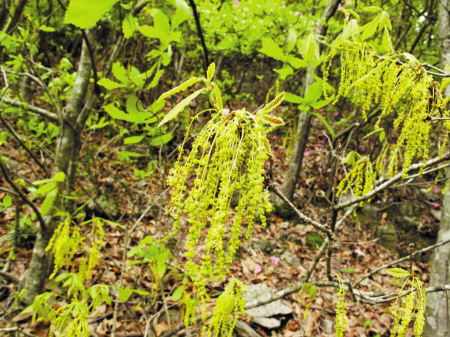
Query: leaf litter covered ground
[[277, 256]]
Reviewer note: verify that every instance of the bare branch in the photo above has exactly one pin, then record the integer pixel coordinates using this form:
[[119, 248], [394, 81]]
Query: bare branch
[[391, 181], [32, 108]]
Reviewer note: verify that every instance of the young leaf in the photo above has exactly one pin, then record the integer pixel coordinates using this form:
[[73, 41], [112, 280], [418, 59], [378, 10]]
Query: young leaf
[[59, 177], [108, 84], [272, 120], [271, 49], [120, 72], [370, 29], [158, 141], [284, 72], [125, 294], [372, 9], [161, 265], [267, 147], [129, 26], [176, 296], [179, 107], [272, 105], [181, 87], [217, 97], [133, 140], [398, 272], [156, 79], [292, 98], [211, 71], [46, 188], [371, 133], [48, 202], [85, 13]]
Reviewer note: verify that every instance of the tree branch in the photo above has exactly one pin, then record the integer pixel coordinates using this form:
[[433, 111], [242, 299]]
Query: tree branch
[[32, 108], [391, 181], [200, 35]]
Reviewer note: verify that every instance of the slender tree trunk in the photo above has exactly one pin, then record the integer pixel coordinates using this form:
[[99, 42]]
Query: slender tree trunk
[[304, 120], [66, 152], [437, 314]]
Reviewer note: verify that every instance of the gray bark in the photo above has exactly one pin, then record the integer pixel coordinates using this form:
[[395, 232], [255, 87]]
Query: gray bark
[[437, 315], [67, 150], [304, 120]]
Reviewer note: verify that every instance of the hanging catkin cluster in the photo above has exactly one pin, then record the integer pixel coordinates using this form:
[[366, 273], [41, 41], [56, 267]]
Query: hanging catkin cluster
[[227, 157], [401, 87], [405, 309]]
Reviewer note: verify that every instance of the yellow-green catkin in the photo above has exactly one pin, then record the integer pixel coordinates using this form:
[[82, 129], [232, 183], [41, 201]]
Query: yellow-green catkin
[[227, 156], [64, 244], [341, 320], [403, 89], [409, 308], [230, 303]]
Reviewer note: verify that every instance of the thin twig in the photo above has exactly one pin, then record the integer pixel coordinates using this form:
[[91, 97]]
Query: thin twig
[[21, 194], [400, 260]]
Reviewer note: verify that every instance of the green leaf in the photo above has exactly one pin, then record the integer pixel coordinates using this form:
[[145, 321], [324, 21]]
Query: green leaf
[[371, 133], [7, 201], [120, 73], [309, 48], [296, 62], [125, 294], [370, 29], [292, 98], [211, 71], [292, 38], [158, 141], [85, 13], [324, 123], [160, 30], [178, 293], [133, 140], [398, 272], [217, 97], [156, 79], [312, 292], [411, 58], [129, 26], [161, 260], [314, 92], [181, 87], [47, 29], [46, 188], [372, 9], [179, 107], [284, 72], [349, 270], [59, 177], [48, 202], [182, 13], [272, 105], [108, 84], [115, 112], [350, 158], [271, 49], [386, 41], [131, 154]]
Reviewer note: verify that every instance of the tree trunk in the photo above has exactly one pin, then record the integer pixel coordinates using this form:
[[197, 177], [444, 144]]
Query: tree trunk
[[66, 152], [437, 315], [304, 120]]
